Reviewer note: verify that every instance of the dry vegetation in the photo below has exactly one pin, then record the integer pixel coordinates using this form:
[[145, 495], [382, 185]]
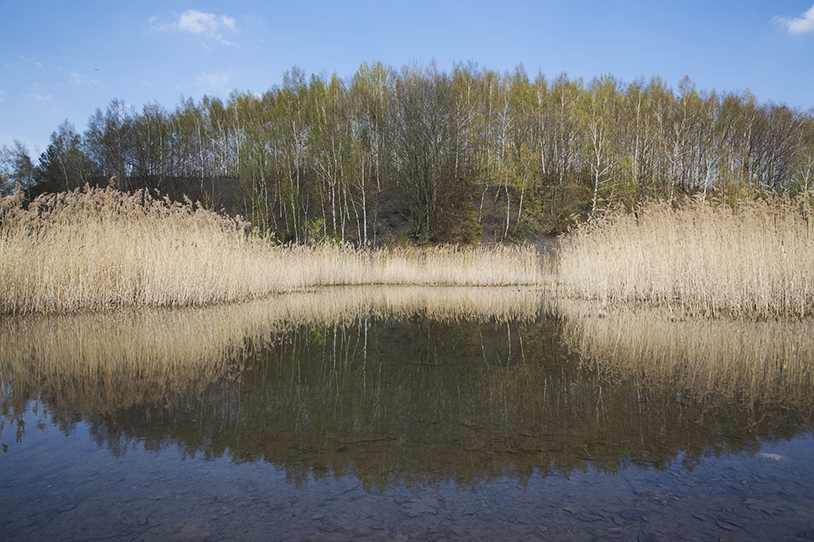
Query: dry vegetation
[[703, 258], [93, 249]]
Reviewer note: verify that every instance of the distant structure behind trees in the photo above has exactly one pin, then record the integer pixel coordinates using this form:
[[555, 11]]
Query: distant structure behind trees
[[429, 155]]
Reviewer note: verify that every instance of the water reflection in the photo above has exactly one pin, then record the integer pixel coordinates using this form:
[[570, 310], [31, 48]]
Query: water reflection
[[412, 387]]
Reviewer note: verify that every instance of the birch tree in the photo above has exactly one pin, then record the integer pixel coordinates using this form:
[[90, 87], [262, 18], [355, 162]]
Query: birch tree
[[600, 105]]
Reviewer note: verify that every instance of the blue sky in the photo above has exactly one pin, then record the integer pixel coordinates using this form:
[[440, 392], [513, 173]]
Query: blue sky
[[63, 59]]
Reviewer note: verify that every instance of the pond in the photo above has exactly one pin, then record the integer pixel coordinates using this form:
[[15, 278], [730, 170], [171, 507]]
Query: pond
[[405, 414]]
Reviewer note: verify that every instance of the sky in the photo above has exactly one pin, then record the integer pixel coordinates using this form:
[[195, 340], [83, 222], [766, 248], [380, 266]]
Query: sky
[[61, 60]]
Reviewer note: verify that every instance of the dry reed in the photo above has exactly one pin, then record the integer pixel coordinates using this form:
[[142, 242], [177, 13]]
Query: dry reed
[[702, 258], [93, 249]]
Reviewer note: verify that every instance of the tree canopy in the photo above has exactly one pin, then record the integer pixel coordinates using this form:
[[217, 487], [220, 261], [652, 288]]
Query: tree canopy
[[432, 155]]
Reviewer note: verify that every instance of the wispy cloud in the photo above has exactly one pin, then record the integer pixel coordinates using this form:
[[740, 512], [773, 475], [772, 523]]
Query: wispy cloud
[[78, 80], [215, 81], [207, 25], [797, 25], [40, 94], [29, 60]]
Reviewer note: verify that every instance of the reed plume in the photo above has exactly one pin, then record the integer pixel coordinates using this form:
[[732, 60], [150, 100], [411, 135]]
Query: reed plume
[[756, 259], [93, 249]]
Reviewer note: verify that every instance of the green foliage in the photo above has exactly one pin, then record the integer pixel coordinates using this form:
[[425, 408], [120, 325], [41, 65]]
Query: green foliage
[[64, 166], [410, 152]]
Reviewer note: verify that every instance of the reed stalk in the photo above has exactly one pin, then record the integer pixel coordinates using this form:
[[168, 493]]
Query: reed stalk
[[707, 258], [94, 249]]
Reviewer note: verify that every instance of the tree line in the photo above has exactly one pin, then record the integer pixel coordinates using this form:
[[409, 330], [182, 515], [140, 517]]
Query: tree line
[[432, 155]]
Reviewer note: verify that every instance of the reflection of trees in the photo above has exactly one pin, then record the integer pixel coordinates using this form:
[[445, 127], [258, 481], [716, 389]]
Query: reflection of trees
[[420, 400]]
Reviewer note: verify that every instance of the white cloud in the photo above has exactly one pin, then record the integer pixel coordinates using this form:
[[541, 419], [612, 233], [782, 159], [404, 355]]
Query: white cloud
[[798, 25], [208, 25], [198, 22]]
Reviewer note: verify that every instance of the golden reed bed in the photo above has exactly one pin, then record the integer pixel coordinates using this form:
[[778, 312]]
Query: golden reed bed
[[94, 249], [704, 258]]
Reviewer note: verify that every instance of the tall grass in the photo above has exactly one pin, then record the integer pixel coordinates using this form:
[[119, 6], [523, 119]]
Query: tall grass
[[702, 258], [93, 249]]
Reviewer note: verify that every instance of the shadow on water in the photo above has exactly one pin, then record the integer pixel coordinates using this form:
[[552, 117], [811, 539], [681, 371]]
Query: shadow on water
[[429, 390]]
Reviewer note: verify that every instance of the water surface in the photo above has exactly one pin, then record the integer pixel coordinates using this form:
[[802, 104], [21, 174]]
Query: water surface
[[405, 414]]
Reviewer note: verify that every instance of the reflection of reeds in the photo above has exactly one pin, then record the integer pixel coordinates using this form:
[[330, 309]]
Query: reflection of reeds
[[105, 364], [702, 258], [110, 361], [414, 386], [766, 362], [93, 249]]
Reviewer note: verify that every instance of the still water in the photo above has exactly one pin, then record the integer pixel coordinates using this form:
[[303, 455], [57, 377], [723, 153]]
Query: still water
[[405, 414]]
